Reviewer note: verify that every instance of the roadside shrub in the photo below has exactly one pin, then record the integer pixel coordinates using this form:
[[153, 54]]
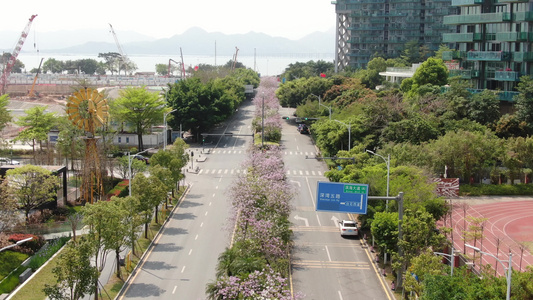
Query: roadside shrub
[[46, 252], [28, 247], [495, 189]]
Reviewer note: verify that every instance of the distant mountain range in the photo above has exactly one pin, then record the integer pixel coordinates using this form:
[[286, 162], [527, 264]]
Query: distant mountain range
[[194, 41]]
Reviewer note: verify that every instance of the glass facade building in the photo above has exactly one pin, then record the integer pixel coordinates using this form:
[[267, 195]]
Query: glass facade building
[[492, 43], [366, 28]]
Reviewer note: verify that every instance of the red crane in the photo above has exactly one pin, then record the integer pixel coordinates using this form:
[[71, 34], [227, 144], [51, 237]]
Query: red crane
[[15, 54]]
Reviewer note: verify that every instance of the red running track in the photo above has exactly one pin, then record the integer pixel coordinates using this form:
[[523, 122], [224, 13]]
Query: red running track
[[509, 224]]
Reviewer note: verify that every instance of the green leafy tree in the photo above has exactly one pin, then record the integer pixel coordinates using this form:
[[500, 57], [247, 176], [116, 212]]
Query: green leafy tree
[[87, 66], [37, 123], [111, 61], [422, 265], [162, 69], [464, 153], [432, 71], [8, 206], [384, 229], [123, 166], [53, 66], [132, 219], [32, 186], [74, 273], [199, 106], [17, 67], [114, 236], [5, 115], [484, 107], [68, 142], [419, 233], [140, 108], [524, 103], [151, 192]]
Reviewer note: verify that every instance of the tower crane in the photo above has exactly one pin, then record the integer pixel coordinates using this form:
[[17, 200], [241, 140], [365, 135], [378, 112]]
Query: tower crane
[[15, 54], [123, 58]]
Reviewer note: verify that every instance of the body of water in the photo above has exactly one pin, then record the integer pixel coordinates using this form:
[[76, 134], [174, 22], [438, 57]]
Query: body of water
[[265, 65]]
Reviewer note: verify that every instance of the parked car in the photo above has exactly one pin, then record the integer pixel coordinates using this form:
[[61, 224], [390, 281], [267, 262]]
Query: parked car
[[348, 227], [8, 161], [140, 157]]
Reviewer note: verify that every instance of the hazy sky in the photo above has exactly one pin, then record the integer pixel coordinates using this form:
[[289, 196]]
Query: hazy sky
[[292, 19]]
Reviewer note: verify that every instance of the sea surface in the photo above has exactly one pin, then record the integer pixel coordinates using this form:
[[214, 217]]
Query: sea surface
[[265, 65]]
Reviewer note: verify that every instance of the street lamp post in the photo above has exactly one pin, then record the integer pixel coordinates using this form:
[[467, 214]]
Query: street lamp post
[[387, 162], [263, 123], [449, 257], [166, 131], [349, 126], [129, 167], [509, 268], [320, 103]]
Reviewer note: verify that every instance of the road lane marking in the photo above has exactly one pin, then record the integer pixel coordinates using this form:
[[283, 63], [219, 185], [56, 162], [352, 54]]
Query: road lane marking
[[340, 295], [202, 224], [216, 187], [195, 238], [206, 213], [303, 219], [327, 251], [213, 195], [147, 255], [331, 265], [190, 251], [210, 203], [174, 290], [182, 269]]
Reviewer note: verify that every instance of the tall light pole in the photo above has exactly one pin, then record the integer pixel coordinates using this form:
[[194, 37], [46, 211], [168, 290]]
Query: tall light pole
[[349, 126], [509, 268], [263, 123], [166, 131], [449, 257], [129, 167], [387, 162], [320, 103]]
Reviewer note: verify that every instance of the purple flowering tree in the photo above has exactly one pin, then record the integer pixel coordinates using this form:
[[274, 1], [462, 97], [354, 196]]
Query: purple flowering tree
[[256, 264]]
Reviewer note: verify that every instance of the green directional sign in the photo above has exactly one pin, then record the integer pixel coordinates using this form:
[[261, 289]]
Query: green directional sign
[[342, 197]]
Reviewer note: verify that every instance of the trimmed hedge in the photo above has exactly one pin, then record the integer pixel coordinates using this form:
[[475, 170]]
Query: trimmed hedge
[[120, 190], [496, 190]]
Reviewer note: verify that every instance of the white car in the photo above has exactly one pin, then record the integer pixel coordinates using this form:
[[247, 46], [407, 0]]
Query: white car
[[348, 228], [8, 161]]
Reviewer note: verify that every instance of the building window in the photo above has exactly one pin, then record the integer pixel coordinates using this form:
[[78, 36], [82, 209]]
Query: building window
[[127, 140], [119, 139]]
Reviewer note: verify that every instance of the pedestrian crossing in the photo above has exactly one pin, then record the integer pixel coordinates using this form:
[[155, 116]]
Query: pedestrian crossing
[[243, 171], [232, 151]]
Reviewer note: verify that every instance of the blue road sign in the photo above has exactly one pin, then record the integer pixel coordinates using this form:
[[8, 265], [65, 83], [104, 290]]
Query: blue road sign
[[342, 197]]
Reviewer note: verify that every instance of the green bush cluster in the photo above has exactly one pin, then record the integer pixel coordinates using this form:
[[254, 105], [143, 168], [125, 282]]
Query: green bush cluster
[[495, 189]]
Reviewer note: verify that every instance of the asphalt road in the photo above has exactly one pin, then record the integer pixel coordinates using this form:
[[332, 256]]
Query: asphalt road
[[184, 258], [324, 264]]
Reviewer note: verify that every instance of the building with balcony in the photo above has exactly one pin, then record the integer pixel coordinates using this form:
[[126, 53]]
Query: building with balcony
[[492, 43], [366, 28]]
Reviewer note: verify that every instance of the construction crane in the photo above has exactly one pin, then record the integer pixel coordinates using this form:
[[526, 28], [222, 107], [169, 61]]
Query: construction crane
[[183, 74], [170, 60], [235, 58], [31, 94], [13, 58], [123, 57]]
